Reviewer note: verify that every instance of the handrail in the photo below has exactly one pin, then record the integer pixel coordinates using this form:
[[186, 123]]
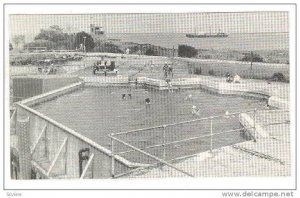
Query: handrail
[[87, 166], [113, 137], [38, 139], [151, 156], [184, 122], [184, 140], [56, 156]]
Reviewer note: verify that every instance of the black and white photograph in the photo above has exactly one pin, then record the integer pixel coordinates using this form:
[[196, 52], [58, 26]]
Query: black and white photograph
[[150, 95]]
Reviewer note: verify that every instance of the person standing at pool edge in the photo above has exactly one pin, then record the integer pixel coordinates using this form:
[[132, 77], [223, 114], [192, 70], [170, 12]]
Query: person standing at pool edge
[[165, 69]]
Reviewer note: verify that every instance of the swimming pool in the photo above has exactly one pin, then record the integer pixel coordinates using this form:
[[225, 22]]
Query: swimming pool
[[96, 112]]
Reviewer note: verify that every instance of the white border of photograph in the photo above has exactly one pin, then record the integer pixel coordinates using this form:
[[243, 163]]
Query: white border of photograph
[[163, 183]]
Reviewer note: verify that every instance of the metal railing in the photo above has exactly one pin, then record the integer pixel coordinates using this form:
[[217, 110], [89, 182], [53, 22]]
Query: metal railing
[[115, 139]]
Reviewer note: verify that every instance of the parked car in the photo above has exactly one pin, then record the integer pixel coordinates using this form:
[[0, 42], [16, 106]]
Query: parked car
[[105, 66], [46, 67]]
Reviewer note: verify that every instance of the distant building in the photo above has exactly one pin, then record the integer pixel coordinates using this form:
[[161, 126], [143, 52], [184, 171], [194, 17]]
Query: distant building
[[97, 32]]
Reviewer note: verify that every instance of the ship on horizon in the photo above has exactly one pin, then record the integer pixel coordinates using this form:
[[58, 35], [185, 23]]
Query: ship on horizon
[[207, 35]]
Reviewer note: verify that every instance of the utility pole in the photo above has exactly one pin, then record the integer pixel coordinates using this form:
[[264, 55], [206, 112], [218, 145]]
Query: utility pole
[[84, 43], [173, 51]]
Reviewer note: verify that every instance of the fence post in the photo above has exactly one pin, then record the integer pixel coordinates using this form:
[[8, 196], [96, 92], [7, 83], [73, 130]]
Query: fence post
[[112, 158], [254, 124], [164, 142], [211, 135]]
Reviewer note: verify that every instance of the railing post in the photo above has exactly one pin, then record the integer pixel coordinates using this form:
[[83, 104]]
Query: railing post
[[211, 135], [112, 158], [164, 142], [254, 124]]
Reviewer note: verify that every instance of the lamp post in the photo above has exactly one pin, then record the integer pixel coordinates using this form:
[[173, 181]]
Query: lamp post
[[251, 55], [84, 43]]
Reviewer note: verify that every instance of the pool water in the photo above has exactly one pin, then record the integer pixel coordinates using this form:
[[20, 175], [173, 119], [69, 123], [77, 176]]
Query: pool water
[[96, 112]]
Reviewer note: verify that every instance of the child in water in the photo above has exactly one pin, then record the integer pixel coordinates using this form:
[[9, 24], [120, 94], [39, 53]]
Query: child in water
[[195, 111], [189, 97], [147, 101]]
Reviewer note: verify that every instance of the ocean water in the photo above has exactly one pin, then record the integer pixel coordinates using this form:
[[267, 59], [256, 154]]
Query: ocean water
[[235, 41]]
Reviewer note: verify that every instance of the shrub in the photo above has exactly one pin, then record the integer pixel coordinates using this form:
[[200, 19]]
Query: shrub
[[197, 70], [211, 72], [107, 47], [88, 41], [279, 77], [150, 52], [252, 57], [186, 51]]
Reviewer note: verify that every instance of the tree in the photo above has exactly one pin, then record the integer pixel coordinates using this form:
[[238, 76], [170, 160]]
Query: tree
[[41, 43], [58, 39], [252, 57], [150, 52], [187, 51], [85, 39], [107, 47], [18, 39], [53, 33]]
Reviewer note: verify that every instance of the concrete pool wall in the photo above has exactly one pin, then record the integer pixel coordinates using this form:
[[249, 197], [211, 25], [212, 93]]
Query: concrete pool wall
[[61, 161]]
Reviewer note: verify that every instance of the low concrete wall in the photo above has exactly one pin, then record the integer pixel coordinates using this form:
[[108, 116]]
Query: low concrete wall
[[209, 86], [248, 122], [102, 81], [52, 94], [278, 102], [28, 86], [154, 83]]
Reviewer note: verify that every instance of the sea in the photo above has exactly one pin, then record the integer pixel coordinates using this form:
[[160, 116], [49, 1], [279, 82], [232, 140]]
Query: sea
[[235, 41]]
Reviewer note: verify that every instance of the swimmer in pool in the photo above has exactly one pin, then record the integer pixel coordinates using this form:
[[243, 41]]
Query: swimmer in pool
[[189, 97], [147, 101], [195, 111], [227, 115], [123, 96]]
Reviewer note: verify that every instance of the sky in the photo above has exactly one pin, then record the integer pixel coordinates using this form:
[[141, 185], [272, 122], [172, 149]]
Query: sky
[[240, 22]]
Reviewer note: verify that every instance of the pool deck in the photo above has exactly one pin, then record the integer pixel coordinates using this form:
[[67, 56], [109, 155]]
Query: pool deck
[[266, 157]]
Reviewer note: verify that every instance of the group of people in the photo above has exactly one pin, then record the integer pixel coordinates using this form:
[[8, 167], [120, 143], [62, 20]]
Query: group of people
[[124, 96], [103, 63], [129, 96], [196, 112], [235, 79]]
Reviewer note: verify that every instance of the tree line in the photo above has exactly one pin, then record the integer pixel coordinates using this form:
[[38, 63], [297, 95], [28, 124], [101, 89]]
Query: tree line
[[53, 38]]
